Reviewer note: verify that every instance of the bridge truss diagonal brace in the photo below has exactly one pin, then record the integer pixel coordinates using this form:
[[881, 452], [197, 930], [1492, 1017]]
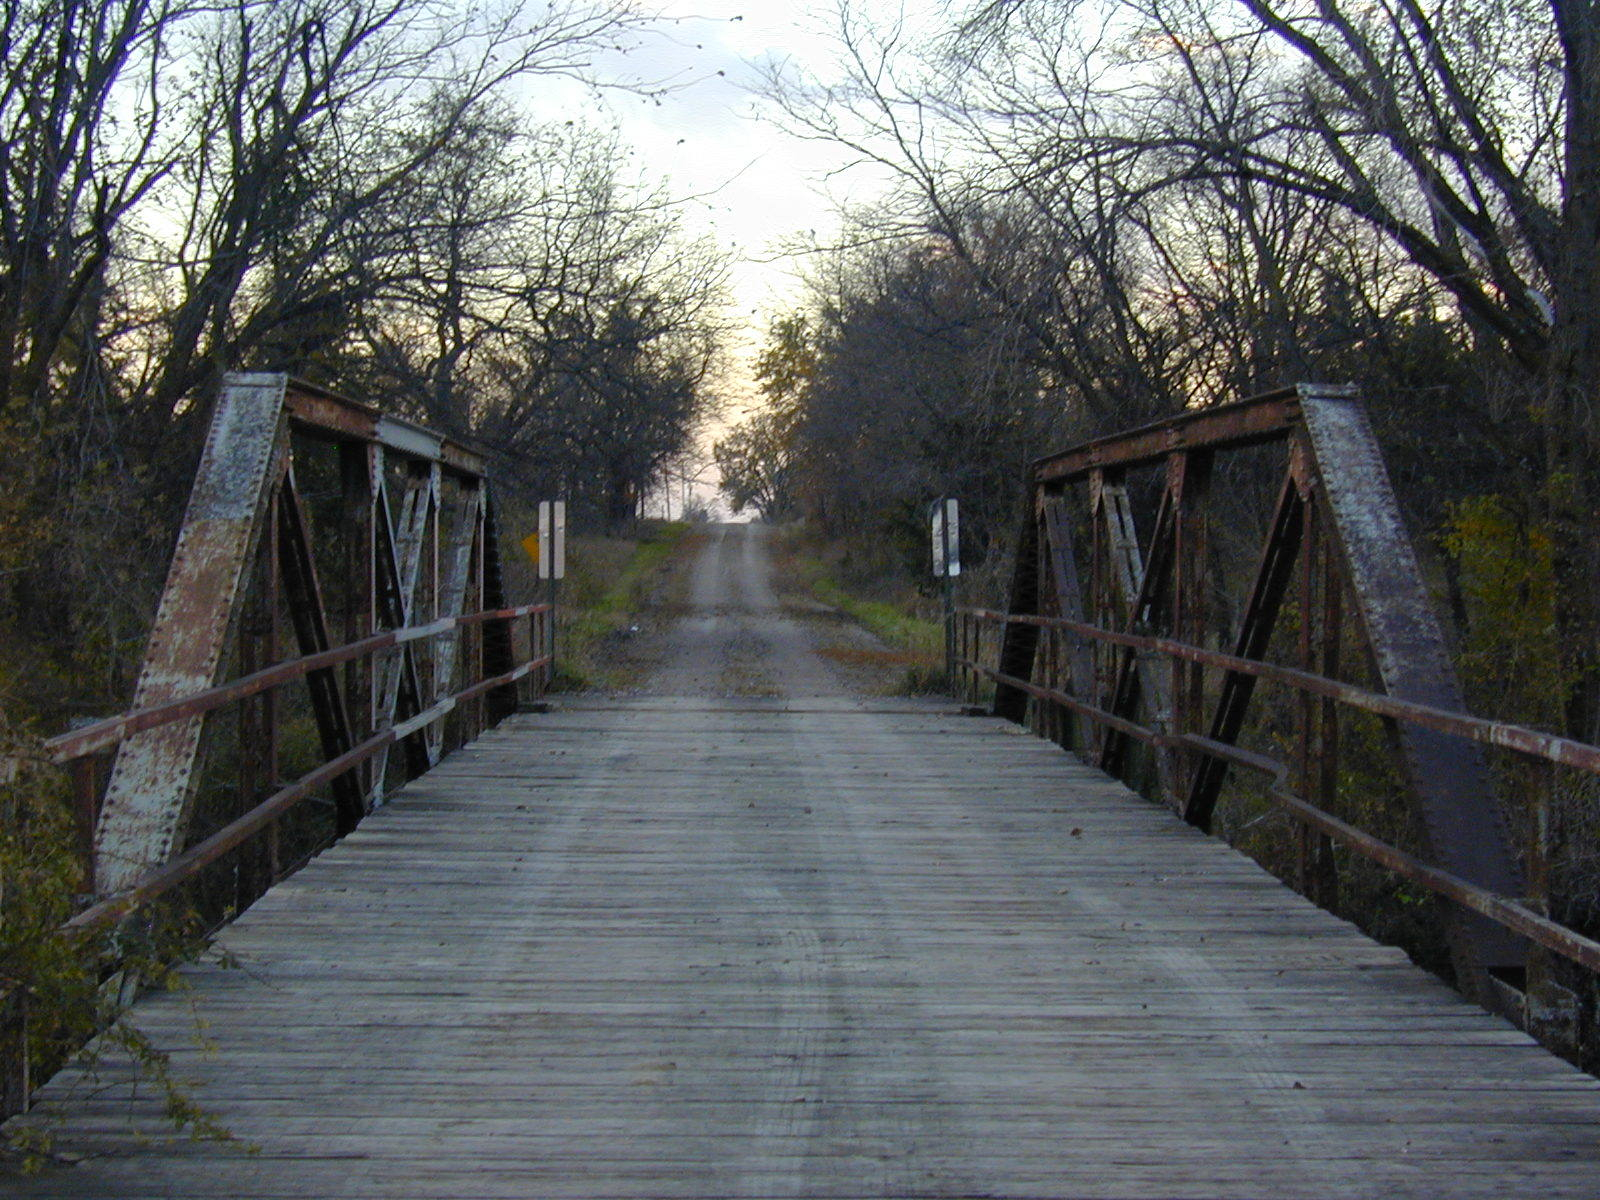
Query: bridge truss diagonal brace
[[397, 684], [152, 780], [1450, 778], [460, 539]]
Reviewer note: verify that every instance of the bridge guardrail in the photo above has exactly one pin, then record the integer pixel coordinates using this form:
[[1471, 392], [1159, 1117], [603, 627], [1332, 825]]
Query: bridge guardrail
[[1512, 913], [310, 513], [70, 747], [1135, 555]]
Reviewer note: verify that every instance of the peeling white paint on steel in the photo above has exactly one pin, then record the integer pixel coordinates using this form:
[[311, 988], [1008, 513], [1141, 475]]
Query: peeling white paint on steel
[[405, 543], [407, 438], [150, 785], [462, 531]]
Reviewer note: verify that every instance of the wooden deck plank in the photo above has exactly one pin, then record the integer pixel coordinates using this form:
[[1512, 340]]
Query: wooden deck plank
[[764, 949]]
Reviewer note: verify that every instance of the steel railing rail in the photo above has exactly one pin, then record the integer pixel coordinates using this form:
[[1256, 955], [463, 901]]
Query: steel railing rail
[[1509, 912], [190, 862], [102, 735]]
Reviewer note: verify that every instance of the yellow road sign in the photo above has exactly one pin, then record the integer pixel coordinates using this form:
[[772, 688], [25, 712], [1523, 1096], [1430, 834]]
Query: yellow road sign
[[530, 546]]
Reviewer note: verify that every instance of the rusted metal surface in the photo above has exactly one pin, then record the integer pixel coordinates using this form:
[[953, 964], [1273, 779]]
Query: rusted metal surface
[[1272, 579], [185, 866], [1520, 738], [1336, 532], [398, 687], [319, 411], [1019, 640], [1217, 427], [1068, 590], [499, 654], [1143, 581], [147, 796], [303, 595], [249, 549], [1450, 780], [1500, 910], [245, 485], [102, 735], [460, 536]]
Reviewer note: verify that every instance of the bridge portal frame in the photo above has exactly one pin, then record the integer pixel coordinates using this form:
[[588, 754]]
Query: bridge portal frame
[[1105, 644], [423, 601]]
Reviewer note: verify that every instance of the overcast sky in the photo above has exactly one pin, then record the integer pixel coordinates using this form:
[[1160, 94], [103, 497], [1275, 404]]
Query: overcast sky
[[754, 187]]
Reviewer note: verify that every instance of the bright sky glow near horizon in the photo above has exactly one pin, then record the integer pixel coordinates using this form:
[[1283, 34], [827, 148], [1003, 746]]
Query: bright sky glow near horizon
[[749, 185], [754, 189]]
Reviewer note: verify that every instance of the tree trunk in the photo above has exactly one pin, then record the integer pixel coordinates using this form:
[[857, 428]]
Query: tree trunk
[[1572, 380]]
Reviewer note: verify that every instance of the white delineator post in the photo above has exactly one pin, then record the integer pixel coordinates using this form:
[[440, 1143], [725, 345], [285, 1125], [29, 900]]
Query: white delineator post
[[947, 565]]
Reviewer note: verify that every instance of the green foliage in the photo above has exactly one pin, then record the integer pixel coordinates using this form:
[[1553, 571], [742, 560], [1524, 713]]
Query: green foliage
[[41, 876], [1510, 657], [608, 582], [52, 984]]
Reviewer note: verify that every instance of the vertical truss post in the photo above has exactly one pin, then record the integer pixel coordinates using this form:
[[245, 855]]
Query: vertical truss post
[[498, 653], [1327, 790], [1274, 573], [399, 568], [454, 542], [1189, 478], [1019, 643], [1069, 604], [358, 464], [308, 614], [1139, 676], [258, 725], [1314, 866], [147, 798]]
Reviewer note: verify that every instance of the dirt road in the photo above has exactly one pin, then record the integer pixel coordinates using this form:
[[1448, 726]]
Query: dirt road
[[735, 635]]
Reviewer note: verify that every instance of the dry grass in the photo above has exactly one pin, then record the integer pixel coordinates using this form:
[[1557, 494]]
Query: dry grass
[[867, 656]]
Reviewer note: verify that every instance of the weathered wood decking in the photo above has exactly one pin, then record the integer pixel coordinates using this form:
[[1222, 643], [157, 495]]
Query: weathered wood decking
[[737, 949]]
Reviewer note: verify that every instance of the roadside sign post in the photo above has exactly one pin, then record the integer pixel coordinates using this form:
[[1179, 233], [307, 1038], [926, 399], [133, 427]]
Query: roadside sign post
[[549, 550], [947, 565]]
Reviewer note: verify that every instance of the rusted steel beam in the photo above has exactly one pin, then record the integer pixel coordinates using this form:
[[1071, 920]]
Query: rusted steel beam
[[399, 688], [151, 783], [457, 536], [303, 596], [327, 414], [1019, 641], [1216, 427], [1274, 573], [1135, 678], [358, 469], [1068, 589], [498, 650], [1189, 476], [1532, 742], [1082, 708], [1455, 799]]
